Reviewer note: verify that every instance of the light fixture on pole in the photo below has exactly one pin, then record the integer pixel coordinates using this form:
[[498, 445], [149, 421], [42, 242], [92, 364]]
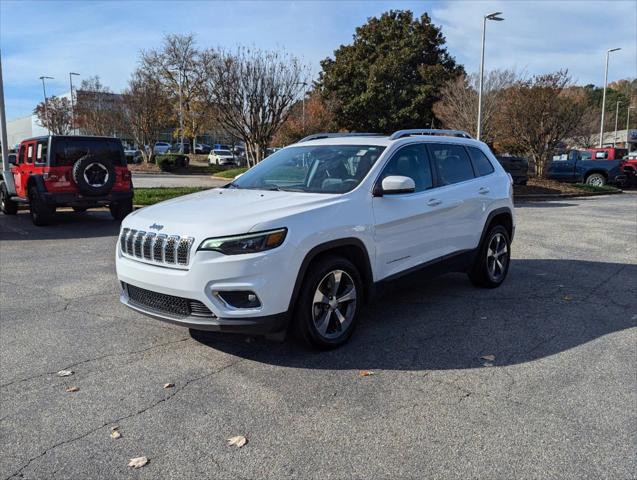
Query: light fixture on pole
[[495, 17], [601, 128], [46, 104], [72, 104]]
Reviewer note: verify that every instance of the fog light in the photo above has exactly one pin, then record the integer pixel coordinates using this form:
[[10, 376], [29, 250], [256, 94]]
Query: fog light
[[239, 299]]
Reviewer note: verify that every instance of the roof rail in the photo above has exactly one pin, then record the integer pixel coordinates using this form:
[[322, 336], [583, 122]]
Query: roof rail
[[428, 131], [318, 136]]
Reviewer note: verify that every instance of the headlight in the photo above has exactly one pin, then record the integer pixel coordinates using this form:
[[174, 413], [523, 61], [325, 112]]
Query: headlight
[[248, 243]]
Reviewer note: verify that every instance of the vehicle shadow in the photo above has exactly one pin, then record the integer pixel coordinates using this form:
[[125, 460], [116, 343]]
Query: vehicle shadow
[[542, 204], [66, 224], [545, 307]]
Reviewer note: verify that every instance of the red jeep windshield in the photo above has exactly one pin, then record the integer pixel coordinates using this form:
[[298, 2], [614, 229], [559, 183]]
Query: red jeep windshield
[[67, 150]]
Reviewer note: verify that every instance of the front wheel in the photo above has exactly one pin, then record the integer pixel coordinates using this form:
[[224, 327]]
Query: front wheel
[[329, 302], [596, 180], [119, 210], [8, 206], [492, 263], [41, 213]]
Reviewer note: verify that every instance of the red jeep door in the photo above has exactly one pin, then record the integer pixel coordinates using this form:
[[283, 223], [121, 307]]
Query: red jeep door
[[24, 167]]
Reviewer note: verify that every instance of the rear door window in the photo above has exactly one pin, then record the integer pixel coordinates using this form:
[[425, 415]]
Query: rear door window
[[481, 164], [41, 151], [452, 163], [30, 153], [67, 151]]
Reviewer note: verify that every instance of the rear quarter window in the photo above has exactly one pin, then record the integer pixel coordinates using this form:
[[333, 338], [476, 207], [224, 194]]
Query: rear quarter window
[[67, 151], [481, 164]]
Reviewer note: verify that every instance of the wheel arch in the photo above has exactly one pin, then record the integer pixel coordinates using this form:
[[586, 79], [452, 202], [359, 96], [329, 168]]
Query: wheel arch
[[500, 216], [588, 173], [351, 248], [36, 180]]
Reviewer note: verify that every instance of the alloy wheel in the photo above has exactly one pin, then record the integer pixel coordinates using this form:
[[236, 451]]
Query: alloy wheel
[[334, 304], [497, 257]]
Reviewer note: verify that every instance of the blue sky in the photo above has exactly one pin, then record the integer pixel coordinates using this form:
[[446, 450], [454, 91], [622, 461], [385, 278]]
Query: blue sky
[[104, 38]]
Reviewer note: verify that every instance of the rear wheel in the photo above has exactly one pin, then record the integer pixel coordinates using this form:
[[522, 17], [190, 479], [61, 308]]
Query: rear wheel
[[119, 210], [329, 302], [492, 263], [41, 213], [8, 206], [596, 179]]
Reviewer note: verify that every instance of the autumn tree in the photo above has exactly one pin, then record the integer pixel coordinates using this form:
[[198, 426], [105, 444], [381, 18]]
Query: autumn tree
[[58, 109], [458, 106], [316, 117], [540, 113], [252, 91], [391, 75], [146, 110], [98, 110], [183, 70]]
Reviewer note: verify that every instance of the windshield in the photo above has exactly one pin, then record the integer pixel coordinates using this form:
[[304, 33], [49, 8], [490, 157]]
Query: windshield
[[222, 152], [322, 169]]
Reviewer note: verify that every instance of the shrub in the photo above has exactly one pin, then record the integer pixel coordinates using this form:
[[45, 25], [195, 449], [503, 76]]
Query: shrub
[[171, 161]]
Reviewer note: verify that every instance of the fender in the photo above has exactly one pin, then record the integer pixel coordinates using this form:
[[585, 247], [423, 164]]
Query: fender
[[490, 217], [366, 272], [38, 180]]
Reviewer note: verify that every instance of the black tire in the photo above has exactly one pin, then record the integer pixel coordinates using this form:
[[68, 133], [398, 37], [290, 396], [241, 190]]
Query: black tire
[[7, 206], [41, 213], [596, 179], [93, 176], [306, 310], [119, 210], [485, 272], [80, 209]]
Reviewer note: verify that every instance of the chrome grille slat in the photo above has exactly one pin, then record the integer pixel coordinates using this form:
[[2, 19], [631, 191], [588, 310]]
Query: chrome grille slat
[[168, 250]]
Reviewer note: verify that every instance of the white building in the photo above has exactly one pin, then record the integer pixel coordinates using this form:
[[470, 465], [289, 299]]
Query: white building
[[25, 127]]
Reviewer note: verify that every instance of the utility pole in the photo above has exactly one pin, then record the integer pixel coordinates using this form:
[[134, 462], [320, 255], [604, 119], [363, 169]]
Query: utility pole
[[6, 168], [46, 104], [496, 17], [72, 104], [616, 117], [601, 128]]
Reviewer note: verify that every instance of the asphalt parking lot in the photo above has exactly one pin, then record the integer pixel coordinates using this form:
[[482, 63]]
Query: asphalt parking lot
[[558, 400]]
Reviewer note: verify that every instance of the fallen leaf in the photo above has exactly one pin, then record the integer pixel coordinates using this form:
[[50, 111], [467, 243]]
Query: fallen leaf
[[365, 373], [137, 462], [115, 434], [114, 427], [169, 385], [488, 358], [238, 441], [72, 389], [567, 298], [65, 373]]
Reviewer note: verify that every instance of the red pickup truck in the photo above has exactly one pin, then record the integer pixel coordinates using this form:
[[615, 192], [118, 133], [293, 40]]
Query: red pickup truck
[[73, 171], [629, 160]]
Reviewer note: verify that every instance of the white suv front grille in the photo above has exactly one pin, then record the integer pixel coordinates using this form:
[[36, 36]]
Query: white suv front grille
[[167, 250]]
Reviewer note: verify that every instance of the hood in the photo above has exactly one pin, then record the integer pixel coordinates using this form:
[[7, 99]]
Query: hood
[[225, 211]]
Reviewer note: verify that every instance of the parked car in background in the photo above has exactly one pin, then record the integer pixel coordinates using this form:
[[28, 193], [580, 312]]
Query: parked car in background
[[221, 146], [161, 147], [180, 148], [68, 171], [607, 153], [574, 167], [133, 155], [517, 167], [221, 157], [202, 149]]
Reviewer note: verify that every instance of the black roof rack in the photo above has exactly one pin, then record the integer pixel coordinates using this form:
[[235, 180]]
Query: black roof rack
[[428, 131], [318, 136]]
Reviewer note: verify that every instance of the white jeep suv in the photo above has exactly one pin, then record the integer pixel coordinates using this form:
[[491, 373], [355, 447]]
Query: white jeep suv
[[303, 238]]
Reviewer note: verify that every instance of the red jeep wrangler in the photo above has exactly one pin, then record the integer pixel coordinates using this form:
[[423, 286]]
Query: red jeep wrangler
[[75, 171]]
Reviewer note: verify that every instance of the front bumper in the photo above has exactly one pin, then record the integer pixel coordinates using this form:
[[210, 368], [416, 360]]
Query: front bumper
[[77, 200], [263, 325]]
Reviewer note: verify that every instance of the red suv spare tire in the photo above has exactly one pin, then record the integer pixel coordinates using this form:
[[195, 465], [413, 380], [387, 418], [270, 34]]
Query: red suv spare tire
[[93, 176]]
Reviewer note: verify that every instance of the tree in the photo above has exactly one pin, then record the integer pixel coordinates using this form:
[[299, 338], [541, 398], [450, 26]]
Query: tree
[[458, 107], [98, 110], [540, 113], [59, 115], [390, 76], [318, 118], [252, 91], [183, 70], [146, 110]]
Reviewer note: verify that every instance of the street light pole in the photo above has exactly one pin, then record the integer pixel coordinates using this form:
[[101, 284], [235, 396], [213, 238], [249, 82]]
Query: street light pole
[[181, 118], [72, 104], [616, 117], [492, 16], [628, 118], [601, 128], [46, 104]]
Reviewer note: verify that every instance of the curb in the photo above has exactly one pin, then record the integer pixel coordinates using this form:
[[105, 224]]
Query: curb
[[557, 196]]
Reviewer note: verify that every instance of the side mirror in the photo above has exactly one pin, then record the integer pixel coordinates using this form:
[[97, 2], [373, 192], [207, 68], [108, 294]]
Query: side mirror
[[395, 184]]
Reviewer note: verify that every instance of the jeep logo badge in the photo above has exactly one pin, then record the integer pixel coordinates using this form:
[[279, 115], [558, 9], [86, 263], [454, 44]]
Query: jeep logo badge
[[154, 226]]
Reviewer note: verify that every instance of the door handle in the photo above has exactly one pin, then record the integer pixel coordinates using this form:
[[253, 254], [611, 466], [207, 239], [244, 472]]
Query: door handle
[[483, 190], [434, 202]]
